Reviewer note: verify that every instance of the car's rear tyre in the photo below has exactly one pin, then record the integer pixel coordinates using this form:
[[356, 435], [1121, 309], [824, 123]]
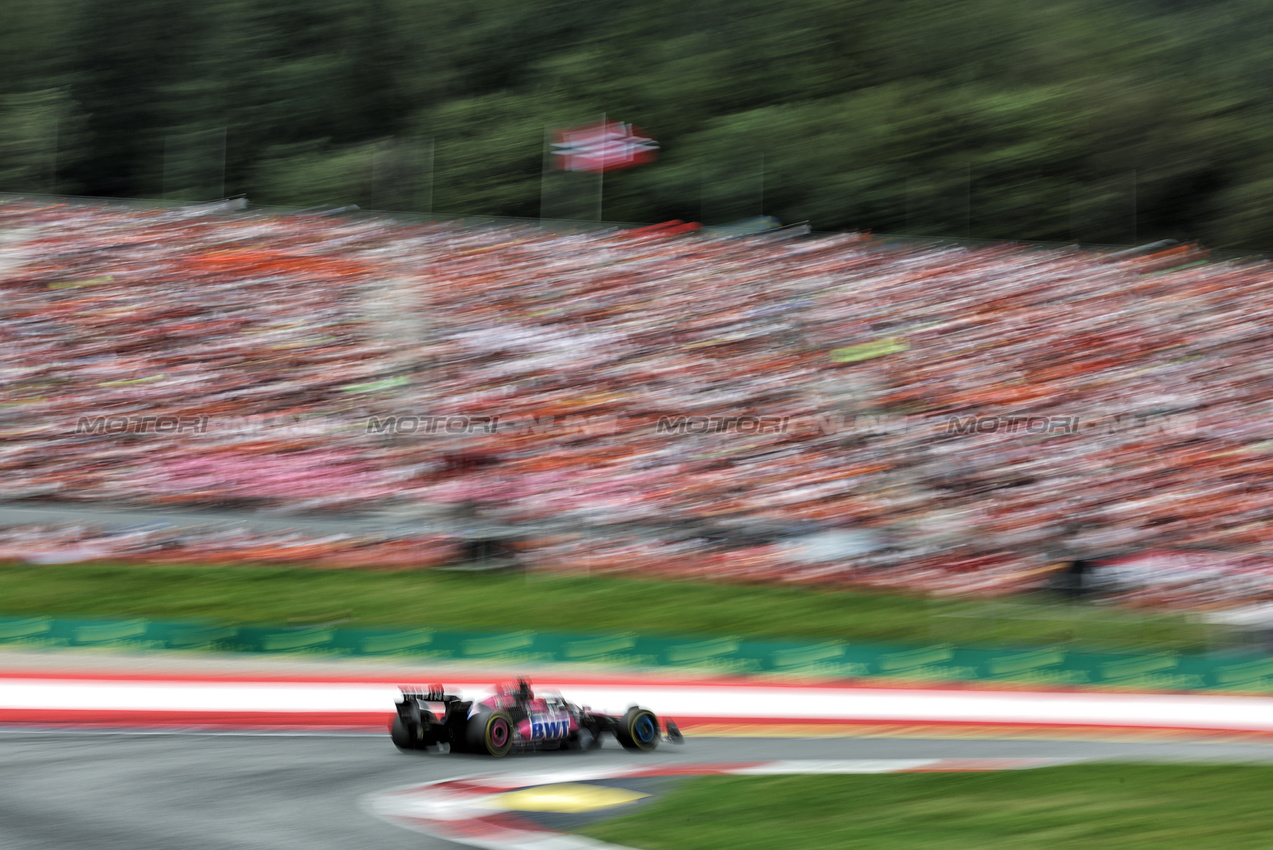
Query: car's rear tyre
[[638, 730], [495, 734], [401, 735]]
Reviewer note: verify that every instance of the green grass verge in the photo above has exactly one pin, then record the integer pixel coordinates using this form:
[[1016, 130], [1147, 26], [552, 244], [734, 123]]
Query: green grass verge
[[1077, 806], [436, 599]]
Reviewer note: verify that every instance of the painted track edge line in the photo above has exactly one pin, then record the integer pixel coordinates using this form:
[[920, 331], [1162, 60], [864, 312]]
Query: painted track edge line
[[576, 679], [366, 722]]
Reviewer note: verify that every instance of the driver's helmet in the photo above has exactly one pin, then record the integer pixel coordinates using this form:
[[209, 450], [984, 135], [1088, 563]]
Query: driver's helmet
[[519, 690]]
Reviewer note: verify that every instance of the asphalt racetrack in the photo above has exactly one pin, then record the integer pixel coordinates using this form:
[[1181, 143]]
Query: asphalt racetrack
[[138, 790]]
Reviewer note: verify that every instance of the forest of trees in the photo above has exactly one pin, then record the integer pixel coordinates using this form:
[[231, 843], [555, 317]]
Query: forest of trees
[[1067, 120]]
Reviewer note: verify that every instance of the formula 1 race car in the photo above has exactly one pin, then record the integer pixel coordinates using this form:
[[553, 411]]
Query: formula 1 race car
[[515, 718]]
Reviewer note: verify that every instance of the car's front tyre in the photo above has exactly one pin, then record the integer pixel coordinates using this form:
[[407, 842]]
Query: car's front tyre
[[638, 730]]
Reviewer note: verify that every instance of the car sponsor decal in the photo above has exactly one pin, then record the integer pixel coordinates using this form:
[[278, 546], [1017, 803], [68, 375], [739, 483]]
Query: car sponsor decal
[[546, 727]]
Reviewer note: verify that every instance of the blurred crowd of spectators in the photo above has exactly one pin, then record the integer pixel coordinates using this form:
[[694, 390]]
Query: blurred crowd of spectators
[[667, 404], [77, 543]]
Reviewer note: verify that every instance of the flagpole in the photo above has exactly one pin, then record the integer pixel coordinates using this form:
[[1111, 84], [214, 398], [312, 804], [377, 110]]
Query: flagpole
[[543, 176], [762, 184], [57, 127], [224, 132], [601, 175], [428, 207]]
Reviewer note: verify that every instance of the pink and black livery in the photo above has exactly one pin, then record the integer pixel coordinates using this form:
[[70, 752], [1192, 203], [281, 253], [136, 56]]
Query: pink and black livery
[[514, 718]]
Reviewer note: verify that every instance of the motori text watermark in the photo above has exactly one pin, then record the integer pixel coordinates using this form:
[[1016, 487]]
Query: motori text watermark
[[142, 425], [682, 425], [664, 425]]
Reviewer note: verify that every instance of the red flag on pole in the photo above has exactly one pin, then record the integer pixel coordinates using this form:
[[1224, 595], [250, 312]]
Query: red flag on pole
[[605, 146]]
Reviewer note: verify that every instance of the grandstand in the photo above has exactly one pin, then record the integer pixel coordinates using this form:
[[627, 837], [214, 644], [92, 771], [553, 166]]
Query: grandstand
[[663, 404]]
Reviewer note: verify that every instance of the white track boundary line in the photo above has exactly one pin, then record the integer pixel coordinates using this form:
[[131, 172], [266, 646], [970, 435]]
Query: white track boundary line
[[298, 700]]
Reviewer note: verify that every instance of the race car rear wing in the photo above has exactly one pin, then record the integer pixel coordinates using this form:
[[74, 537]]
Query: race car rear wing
[[427, 693]]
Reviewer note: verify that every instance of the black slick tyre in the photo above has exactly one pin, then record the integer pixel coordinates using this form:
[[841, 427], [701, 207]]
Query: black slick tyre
[[401, 736]]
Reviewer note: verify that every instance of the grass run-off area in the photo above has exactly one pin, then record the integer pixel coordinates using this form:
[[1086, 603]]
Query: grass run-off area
[[1077, 806], [571, 604]]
